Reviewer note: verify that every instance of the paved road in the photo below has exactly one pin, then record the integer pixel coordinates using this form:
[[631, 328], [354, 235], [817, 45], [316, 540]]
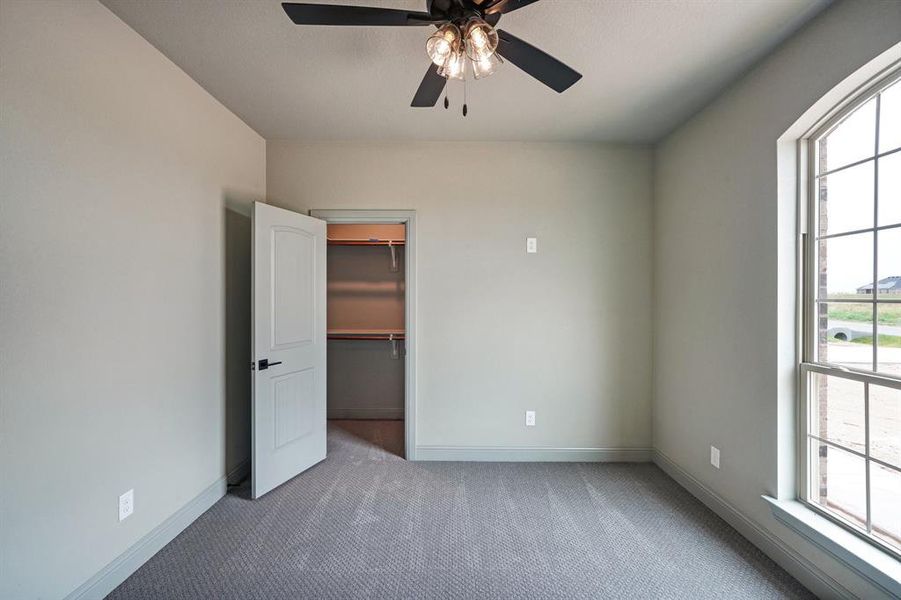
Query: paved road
[[865, 327]]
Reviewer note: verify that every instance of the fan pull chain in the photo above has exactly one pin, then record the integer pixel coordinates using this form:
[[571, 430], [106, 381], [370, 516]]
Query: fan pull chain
[[465, 108], [446, 102]]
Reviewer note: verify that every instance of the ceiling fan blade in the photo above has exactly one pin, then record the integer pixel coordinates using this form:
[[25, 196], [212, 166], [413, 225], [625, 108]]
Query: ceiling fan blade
[[537, 63], [430, 89], [492, 19], [438, 8], [331, 14], [505, 6]]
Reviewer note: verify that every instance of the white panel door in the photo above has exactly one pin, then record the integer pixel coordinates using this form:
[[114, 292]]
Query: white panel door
[[288, 345]]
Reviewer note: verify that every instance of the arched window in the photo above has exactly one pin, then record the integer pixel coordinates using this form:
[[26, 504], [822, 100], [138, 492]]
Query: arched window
[[851, 368]]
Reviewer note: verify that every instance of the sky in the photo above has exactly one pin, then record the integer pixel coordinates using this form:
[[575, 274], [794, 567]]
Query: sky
[[850, 194]]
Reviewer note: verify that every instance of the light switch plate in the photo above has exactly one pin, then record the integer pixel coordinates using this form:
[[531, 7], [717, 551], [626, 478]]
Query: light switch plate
[[532, 245]]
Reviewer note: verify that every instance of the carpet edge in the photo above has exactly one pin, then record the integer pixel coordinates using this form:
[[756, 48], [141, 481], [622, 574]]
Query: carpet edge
[[781, 553]]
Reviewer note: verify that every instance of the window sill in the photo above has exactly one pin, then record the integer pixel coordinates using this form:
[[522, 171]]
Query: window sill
[[874, 565]]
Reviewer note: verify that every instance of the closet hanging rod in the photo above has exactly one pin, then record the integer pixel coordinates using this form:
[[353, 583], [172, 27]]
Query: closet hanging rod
[[361, 331], [380, 338], [362, 242], [383, 337]]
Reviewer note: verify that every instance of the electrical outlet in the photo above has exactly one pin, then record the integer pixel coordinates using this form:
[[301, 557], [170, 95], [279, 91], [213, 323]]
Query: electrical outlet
[[715, 456], [126, 504], [532, 245], [530, 418]]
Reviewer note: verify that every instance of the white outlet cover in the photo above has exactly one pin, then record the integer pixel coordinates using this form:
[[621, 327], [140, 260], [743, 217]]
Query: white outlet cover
[[530, 418], [715, 456], [126, 504], [532, 245]]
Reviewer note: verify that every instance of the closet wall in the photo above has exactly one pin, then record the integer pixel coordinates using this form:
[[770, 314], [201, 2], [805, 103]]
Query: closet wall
[[365, 300]]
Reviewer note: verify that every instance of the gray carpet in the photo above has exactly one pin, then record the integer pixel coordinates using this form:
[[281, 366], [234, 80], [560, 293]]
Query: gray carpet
[[367, 524]]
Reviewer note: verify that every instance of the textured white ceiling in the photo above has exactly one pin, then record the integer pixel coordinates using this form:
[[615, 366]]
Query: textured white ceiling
[[647, 65]]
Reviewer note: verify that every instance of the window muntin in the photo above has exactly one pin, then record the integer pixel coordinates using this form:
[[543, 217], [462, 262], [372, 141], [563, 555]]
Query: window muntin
[[852, 364]]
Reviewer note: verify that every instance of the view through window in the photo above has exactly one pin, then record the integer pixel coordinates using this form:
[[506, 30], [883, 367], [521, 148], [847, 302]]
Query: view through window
[[853, 367]]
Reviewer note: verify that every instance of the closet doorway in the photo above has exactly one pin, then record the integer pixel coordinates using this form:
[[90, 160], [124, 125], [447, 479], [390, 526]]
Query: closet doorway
[[370, 326]]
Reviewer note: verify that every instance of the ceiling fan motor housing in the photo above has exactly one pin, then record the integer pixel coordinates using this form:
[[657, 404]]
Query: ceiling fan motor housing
[[459, 12]]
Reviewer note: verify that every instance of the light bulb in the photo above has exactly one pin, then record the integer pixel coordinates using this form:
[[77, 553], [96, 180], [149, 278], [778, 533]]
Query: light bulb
[[478, 38], [481, 39], [455, 67], [486, 65], [441, 44], [440, 50]]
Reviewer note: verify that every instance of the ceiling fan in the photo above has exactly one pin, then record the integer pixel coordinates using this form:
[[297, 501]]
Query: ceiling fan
[[465, 36]]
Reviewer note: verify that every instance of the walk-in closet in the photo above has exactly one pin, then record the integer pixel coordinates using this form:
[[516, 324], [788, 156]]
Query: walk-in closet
[[366, 331]]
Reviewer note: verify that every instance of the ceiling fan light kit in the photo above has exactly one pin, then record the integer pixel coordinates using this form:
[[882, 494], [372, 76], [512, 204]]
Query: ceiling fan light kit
[[454, 66], [481, 39], [484, 67], [465, 33], [441, 44]]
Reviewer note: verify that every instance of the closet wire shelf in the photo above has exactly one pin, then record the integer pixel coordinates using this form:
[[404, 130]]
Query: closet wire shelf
[[366, 335], [364, 242], [382, 335]]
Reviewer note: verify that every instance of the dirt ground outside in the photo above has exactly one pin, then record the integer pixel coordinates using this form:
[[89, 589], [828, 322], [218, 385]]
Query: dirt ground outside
[[842, 475]]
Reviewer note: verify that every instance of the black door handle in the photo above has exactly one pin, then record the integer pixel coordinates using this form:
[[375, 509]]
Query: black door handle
[[265, 364]]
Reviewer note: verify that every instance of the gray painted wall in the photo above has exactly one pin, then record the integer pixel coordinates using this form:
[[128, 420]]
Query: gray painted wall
[[724, 265], [565, 332], [117, 173], [238, 307], [364, 380], [363, 292]]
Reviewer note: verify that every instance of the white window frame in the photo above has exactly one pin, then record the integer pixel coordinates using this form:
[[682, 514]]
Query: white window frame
[[809, 365]]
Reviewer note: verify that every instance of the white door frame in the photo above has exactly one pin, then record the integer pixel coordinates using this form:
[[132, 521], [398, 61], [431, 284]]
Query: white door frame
[[408, 218]]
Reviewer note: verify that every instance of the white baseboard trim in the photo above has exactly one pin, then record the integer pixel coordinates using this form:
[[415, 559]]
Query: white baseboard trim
[[529, 454], [108, 578], [391, 414], [239, 473], [814, 578]]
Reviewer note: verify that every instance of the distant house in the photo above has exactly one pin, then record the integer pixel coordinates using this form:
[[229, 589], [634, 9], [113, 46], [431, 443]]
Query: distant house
[[889, 285]]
